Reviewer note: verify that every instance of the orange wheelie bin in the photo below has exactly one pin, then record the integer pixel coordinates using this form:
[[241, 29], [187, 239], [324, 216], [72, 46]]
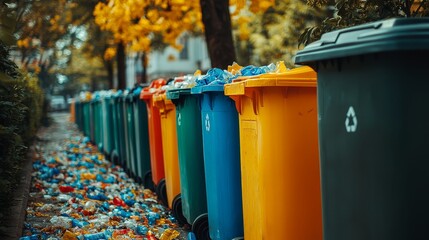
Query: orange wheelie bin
[[155, 137], [279, 154], [167, 112], [72, 111]]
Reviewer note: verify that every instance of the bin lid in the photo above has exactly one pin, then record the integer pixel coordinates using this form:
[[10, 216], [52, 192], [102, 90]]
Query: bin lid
[[117, 94], [397, 34], [108, 95], [207, 88], [161, 102], [132, 94], [298, 77], [159, 97], [137, 91], [176, 93], [148, 91]]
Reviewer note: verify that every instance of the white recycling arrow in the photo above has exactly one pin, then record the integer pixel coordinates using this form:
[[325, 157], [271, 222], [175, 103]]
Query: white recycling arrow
[[179, 119], [207, 123], [351, 120]]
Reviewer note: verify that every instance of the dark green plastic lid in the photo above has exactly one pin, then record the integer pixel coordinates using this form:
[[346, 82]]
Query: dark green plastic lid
[[176, 93], [397, 34]]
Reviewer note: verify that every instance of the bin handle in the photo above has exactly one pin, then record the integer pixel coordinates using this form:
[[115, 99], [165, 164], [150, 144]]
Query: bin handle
[[211, 101], [254, 95], [237, 101]]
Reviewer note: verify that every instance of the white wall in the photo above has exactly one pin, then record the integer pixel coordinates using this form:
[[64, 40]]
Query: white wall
[[131, 70], [169, 64]]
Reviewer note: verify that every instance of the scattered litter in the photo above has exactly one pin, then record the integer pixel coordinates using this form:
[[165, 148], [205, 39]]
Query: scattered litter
[[83, 196]]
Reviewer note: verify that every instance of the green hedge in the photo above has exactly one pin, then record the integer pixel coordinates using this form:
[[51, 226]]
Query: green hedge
[[21, 101]]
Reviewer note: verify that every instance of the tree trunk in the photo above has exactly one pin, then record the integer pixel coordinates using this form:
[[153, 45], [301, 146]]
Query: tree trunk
[[120, 58], [109, 67], [217, 22], [93, 84], [144, 65]]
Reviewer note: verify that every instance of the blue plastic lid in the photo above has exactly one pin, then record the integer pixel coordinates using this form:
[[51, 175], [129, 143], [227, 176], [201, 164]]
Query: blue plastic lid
[[137, 91], [207, 88]]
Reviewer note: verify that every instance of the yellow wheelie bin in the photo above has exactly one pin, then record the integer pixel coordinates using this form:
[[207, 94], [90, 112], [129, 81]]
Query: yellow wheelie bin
[[167, 112], [279, 154]]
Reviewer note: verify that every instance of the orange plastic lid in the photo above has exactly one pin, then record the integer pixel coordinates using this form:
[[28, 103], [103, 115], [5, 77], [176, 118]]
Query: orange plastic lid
[[154, 87]]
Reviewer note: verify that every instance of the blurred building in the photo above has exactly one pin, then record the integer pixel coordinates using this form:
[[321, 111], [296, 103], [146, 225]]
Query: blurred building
[[170, 62]]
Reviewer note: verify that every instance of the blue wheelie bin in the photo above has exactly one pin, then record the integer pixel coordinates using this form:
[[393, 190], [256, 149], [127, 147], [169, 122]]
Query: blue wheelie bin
[[221, 146]]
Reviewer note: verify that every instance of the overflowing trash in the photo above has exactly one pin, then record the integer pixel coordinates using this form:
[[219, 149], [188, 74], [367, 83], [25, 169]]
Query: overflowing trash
[[217, 76], [80, 195]]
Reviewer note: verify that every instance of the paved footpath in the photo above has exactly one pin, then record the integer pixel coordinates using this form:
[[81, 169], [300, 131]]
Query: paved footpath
[[76, 194]]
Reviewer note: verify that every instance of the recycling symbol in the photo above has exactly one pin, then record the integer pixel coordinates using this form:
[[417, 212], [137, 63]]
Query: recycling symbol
[[179, 119], [351, 120], [207, 123]]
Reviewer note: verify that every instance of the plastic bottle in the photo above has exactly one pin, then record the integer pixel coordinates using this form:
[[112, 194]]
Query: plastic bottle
[[64, 222], [66, 189], [141, 230], [77, 223], [32, 237], [94, 236], [118, 202]]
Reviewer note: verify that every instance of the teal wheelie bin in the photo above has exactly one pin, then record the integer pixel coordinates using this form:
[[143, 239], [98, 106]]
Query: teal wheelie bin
[[372, 97], [92, 119], [191, 159], [221, 144], [98, 122], [114, 152], [108, 128], [78, 113], [86, 118]]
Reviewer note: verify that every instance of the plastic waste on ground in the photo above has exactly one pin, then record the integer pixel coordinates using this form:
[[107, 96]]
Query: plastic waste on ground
[[83, 196]]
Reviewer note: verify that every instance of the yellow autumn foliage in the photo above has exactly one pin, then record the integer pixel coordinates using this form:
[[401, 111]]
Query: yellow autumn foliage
[[274, 35], [109, 53], [134, 22]]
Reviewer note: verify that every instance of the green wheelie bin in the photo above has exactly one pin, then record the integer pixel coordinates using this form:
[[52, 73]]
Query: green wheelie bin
[[128, 118], [131, 135], [372, 98], [118, 154], [142, 152], [191, 159]]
